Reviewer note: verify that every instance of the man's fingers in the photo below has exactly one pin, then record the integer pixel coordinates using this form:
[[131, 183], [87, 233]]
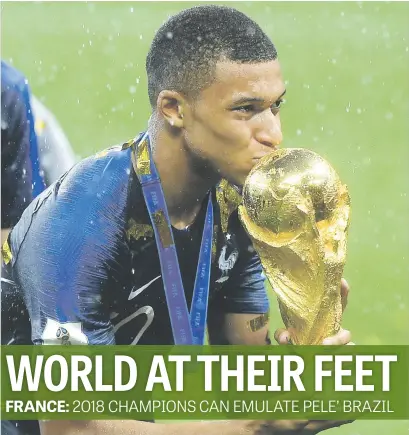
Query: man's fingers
[[279, 427], [282, 336], [295, 426], [344, 293], [343, 337]]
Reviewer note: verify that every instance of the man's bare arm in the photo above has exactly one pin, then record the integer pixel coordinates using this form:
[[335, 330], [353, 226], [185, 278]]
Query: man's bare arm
[[247, 329], [253, 329], [230, 427], [128, 427]]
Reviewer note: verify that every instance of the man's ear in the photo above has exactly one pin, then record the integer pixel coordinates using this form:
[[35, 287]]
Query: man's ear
[[170, 105]]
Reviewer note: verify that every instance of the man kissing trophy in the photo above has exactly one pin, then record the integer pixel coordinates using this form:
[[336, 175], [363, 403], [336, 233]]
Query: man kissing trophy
[[296, 211]]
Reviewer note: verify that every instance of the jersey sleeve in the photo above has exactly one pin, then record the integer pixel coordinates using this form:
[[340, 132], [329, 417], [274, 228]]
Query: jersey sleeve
[[245, 292], [16, 174], [65, 251]]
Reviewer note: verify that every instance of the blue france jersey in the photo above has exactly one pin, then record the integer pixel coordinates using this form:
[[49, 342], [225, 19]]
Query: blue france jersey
[[82, 267]]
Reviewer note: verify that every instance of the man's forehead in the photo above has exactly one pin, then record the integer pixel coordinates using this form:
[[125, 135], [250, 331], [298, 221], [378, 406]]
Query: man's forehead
[[240, 80], [243, 69]]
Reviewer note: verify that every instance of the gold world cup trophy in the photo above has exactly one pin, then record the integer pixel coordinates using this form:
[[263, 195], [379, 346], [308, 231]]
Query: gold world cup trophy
[[296, 212]]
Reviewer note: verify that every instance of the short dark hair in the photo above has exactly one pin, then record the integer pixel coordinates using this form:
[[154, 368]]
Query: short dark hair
[[186, 48]]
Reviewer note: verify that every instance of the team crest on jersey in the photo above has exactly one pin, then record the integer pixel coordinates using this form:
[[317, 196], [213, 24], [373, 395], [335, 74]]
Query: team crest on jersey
[[227, 259]]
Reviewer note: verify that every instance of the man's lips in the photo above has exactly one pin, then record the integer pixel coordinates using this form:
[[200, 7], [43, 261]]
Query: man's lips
[[265, 153]]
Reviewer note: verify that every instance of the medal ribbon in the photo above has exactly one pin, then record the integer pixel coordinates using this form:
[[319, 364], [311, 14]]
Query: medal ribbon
[[187, 328]]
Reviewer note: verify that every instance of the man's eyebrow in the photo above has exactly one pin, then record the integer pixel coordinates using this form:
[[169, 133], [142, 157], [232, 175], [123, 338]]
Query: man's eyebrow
[[246, 100]]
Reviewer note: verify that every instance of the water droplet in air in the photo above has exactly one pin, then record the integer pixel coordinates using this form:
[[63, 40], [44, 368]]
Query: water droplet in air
[[320, 107]]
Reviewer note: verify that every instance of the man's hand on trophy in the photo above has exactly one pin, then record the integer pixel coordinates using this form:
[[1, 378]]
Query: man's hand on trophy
[[343, 337]]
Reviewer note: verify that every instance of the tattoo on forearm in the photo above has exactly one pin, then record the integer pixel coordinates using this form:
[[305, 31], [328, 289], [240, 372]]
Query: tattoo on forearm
[[259, 322], [268, 340]]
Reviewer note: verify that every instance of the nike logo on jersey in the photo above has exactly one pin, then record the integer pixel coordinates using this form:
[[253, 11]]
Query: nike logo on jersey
[[138, 291]]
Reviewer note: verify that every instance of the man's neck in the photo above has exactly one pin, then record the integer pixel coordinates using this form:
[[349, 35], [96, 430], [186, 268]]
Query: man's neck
[[184, 185]]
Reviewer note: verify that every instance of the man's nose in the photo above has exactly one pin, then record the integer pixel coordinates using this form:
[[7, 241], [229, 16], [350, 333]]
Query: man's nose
[[269, 130]]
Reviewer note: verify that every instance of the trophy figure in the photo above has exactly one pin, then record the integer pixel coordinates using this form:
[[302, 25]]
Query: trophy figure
[[296, 212]]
